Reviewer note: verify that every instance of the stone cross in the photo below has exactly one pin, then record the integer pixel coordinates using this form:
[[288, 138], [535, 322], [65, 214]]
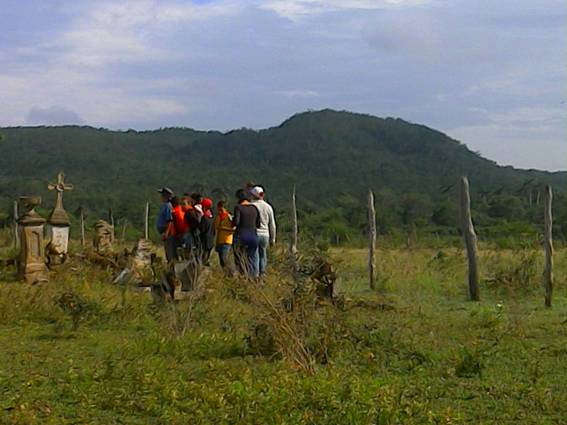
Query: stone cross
[[59, 224], [60, 187]]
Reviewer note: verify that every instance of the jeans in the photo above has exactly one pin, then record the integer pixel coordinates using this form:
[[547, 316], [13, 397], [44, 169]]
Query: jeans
[[263, 244], [223, 251], [246, 254]]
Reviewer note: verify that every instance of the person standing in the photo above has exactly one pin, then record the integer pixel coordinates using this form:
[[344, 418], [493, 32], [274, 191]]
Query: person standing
[[165, 225], [179, 225], [193, 221], [225, 231], [267, 230], [207, 231], [246, 220]]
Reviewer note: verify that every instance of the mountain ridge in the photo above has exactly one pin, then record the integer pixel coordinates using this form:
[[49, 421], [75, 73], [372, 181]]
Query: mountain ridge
[[333, 157]]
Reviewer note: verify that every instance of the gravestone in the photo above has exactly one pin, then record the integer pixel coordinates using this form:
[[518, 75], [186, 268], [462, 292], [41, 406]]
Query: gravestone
[[31, 263], [103, 238], [59, 224], [142, 261]]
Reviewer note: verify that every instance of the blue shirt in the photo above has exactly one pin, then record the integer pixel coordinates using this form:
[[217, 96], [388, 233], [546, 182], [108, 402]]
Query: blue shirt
[[165, 216]]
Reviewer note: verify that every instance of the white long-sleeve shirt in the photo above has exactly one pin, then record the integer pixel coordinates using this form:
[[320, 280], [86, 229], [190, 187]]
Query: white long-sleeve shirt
[[267, 220]]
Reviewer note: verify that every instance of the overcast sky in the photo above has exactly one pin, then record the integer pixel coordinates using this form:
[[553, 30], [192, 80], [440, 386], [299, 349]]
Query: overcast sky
[[491, 73]]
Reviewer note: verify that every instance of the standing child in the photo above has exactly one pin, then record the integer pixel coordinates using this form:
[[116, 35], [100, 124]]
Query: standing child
[[225, 232], [207, 231]]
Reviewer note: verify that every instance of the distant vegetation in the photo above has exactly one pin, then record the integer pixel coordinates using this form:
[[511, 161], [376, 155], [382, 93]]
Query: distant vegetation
[[332, 157]]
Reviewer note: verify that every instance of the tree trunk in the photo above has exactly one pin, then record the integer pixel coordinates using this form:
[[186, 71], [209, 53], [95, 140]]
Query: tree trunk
[[295, 231], [371, 240], [470, 240], [548, 245]]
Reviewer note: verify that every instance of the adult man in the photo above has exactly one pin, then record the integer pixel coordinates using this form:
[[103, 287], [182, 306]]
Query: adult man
[[267, 230], [164, 223]]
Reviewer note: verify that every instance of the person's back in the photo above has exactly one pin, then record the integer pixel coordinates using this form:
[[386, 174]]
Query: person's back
[[180, 225], [246, 219], [266, 230], [267, 220]]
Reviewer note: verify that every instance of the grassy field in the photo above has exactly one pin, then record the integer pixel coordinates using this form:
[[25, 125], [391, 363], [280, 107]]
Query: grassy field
[[414, 351]]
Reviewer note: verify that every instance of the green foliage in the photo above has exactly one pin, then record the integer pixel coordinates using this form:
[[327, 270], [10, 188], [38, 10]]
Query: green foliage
[[333, 157], [413, 353]]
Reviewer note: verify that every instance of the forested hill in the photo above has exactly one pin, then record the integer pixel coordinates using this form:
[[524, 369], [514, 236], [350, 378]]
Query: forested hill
[[333, 158]]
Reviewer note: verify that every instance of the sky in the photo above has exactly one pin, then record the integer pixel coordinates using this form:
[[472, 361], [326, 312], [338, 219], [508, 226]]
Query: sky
[[490, 73]]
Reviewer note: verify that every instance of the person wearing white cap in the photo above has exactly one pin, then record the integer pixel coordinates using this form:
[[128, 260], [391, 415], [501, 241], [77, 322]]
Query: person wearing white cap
[[267, 230]]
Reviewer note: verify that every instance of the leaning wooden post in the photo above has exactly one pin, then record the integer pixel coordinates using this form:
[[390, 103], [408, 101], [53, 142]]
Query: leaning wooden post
[[15, 226], [371, 240], [147, 221], [294, 235], [470, 239], [548, 245], [82, 226]]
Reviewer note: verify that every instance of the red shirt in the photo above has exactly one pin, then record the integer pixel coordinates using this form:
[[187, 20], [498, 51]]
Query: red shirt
[[179, 220]]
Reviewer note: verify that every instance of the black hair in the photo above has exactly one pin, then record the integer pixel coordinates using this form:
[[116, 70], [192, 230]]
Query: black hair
[[197, 197], [242, 195], [174, 201]]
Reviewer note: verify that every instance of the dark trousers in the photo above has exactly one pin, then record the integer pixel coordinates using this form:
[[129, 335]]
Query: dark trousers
[[170, 246], [246, 254]]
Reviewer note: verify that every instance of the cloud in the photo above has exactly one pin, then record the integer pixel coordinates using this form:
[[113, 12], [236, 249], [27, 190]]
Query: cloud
[[524, 136], [491, 73], [294, 10], [127, 31], [52, 115], [296, 93]]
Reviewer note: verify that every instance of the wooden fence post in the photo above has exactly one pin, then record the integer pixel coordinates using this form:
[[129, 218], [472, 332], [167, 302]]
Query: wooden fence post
[[147, 221], [15, 226], [111, 222], [371, 240], [470, 239], [124, 225], [548, 245], [82, 212], [295, 231]]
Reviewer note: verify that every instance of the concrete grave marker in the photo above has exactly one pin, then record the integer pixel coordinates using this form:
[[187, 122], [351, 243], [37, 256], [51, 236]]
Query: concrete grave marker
[[31, 264], [103, 238]]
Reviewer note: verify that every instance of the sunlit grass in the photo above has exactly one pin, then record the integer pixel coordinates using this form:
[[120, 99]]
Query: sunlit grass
[[430, 357]]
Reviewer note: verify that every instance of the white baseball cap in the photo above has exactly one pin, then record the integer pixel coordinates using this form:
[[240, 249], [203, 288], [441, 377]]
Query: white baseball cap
[[257, 191]]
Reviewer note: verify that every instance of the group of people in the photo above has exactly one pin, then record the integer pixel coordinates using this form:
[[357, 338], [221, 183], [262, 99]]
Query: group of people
[[191, 229]]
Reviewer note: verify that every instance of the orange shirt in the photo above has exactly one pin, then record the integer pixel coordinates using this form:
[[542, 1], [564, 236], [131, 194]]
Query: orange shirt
[[179, 220]]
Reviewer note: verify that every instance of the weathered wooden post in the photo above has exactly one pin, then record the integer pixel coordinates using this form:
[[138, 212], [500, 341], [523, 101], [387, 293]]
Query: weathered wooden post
[[470, 239], [111, 222], [147, 221], [82, 218], [371, 240], [295, 231], [124, 225], [15, 226], [548, 245]]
